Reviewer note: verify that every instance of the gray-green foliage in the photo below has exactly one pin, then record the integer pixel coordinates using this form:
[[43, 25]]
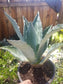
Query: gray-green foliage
[[16, 52], [32, 32], [15, 26], [34, 41], [49, 32]]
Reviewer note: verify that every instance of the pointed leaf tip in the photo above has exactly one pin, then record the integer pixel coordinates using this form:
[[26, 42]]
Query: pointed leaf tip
[[15, 26], [38, 13]]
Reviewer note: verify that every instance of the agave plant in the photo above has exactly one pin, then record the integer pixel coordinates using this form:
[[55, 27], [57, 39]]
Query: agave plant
[[33, 42]]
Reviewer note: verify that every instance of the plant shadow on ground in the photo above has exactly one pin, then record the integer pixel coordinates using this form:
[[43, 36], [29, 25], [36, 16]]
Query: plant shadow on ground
[[8, 69]]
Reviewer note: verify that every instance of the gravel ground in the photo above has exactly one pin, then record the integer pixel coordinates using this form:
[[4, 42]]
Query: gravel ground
[[56, 55]]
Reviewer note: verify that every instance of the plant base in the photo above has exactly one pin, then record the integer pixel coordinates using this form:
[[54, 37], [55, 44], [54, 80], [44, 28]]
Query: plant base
[[38, 75]]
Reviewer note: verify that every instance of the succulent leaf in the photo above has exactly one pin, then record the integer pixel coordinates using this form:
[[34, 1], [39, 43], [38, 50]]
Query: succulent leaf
[[47, 42], [24, 48], [33, 32], [15, 26], [15, 52], [34, 41], [29, 34], [25, 28], [51, 49], [32, 37], [48, 34], [46, 30], [38, 27]]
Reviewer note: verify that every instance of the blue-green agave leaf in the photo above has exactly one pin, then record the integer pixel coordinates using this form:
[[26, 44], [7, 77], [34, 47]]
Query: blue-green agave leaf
[[29, 34], [15, 52], [39, 55], [47, 42], [26, 24], [48, 34], [50, 50], [25, 48], [15, 26], [38, 27], [32, 37], [33, 32], [46, 30]]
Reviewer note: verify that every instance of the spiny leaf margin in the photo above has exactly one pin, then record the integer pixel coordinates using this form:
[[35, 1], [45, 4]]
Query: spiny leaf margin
[[24, 48], [15, 52], [15, 26]]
